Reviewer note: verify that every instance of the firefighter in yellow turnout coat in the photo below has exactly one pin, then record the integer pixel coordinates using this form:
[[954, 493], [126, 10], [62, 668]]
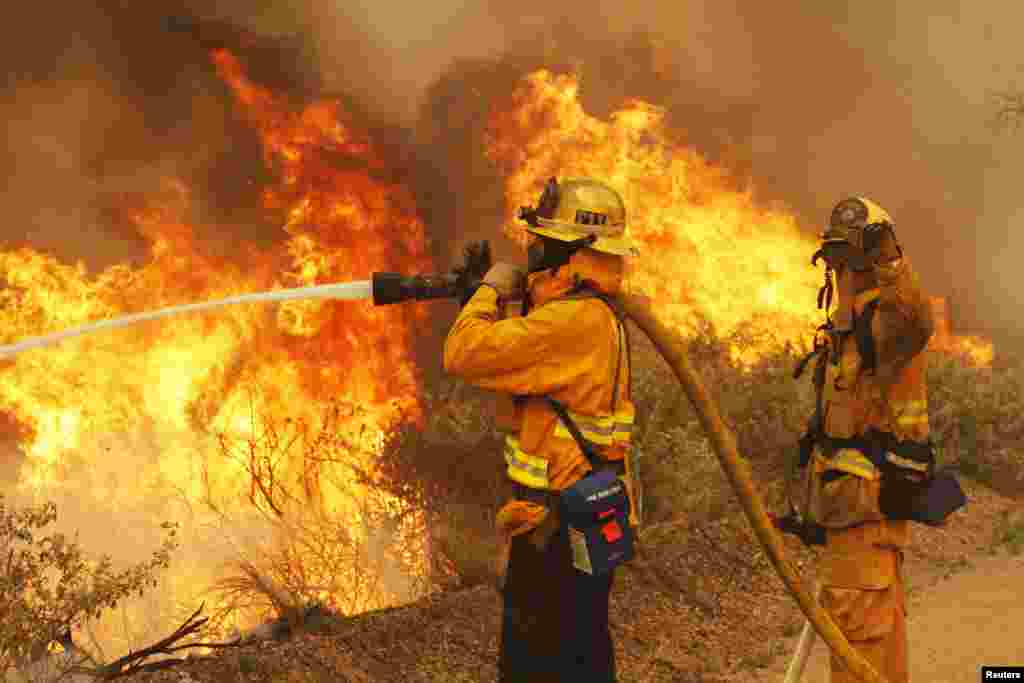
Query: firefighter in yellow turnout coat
[[871, 445], [570, 346]]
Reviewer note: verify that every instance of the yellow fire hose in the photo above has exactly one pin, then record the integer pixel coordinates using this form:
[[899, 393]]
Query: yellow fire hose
[[671, 348]]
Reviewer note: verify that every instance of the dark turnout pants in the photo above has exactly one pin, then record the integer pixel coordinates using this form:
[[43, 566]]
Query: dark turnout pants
[[555, 623]]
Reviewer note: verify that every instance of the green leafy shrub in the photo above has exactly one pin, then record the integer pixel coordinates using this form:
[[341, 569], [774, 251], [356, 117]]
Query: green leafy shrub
[[47, 583]]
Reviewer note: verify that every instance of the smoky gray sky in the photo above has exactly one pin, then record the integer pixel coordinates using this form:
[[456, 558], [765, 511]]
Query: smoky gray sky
[[825, 99]]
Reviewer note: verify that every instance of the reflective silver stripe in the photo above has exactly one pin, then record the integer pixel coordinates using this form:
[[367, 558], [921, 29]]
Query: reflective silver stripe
[[906, 462]]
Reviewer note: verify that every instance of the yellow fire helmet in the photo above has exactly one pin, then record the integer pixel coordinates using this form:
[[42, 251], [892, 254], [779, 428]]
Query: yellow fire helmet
[[851, 217], [578, 207]]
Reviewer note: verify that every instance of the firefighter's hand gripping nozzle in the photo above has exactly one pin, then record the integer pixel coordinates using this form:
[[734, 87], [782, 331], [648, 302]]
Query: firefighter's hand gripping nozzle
[[461, 283]]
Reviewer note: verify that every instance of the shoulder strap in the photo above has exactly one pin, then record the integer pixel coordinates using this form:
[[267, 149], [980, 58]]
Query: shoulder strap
[[585, 292], [623, 330], [588, 448]]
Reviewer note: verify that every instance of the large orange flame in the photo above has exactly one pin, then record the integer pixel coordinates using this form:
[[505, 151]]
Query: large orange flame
[[154, 396], [707, 247], [709, 250]]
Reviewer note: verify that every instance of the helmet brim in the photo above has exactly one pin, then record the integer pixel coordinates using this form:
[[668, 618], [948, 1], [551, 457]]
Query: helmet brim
[[620, 245]]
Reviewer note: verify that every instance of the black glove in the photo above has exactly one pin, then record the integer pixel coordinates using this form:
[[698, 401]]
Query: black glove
[[469, 275], [841, 255], [809, 534]]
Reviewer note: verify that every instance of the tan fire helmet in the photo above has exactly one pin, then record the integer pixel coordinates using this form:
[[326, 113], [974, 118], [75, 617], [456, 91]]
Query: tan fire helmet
[[579, 207], [850, 219]]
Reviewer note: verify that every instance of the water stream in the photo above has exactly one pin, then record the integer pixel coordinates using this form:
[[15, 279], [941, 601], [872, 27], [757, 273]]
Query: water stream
[[360, 289]]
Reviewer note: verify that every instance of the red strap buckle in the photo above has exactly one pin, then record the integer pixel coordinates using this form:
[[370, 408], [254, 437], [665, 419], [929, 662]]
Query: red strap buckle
[[611, 531]]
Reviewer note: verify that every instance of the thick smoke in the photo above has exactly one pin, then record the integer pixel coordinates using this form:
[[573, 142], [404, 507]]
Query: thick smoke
[[813, 101]]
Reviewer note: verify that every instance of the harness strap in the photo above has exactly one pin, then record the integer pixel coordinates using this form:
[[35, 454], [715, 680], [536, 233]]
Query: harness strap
[[862, 335], [588, 448], [885, 451], [543, 497]]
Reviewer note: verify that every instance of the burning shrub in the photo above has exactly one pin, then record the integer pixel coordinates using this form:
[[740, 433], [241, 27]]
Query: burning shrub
[[362, 525], [47, 585], [453, 471], [328, 534]]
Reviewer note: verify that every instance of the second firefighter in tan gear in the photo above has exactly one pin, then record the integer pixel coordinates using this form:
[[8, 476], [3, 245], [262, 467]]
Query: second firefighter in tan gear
[[875, 384]]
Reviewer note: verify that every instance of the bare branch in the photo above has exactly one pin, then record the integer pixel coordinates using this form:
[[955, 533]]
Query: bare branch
[[134, 662]]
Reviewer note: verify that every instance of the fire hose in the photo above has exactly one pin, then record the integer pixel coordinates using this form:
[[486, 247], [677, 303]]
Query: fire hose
[[671, 348], [391, 288]]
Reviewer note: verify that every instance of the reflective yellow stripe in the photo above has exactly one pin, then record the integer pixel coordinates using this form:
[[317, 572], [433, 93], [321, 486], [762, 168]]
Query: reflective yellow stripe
[[909, 413], [854, 462], [604, 431], [908, 407], [866, 297], [526, 469]]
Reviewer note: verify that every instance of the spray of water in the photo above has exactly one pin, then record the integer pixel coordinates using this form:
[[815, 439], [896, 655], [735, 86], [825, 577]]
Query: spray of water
[[360, 289]]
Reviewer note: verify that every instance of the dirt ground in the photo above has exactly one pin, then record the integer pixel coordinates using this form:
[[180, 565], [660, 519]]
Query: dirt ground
[[955, 626], [702, 605]]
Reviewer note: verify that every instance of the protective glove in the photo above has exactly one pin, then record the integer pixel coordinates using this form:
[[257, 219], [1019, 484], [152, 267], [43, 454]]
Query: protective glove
[[843, 255], [469, 275], [809, 534], [880, 244], [508, 280]]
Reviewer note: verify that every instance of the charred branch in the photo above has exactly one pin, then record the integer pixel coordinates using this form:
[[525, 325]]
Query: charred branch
[[134, 662]]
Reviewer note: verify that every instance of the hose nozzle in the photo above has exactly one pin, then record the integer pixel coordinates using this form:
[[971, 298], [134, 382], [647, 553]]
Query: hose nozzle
[[395, 288]]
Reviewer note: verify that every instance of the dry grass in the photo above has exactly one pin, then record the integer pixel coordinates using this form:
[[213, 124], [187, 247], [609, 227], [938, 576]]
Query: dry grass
[[702, 590]]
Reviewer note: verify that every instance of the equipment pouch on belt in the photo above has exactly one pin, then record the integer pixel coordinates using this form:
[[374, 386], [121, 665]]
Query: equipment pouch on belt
[[594, 512], [927, 501], [940, 497], [912, 489], [595, 515]]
